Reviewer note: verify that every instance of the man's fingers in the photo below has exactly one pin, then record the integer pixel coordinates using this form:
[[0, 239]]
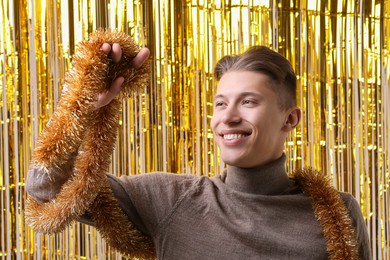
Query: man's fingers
[[116, 53], [106, 47], [106, 97], [141, 57], [116, 85]]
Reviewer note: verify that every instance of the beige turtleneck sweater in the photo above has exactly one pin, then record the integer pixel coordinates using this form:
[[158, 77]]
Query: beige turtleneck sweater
[[257, 213]]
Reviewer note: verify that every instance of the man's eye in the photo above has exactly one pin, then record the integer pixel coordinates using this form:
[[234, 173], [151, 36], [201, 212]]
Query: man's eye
[[219, 104], [247, 101]]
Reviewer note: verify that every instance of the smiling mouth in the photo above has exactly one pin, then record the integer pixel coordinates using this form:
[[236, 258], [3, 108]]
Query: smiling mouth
[[234, 136]]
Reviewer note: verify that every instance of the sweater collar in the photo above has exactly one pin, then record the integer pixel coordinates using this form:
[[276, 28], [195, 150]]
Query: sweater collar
[[270, 179]]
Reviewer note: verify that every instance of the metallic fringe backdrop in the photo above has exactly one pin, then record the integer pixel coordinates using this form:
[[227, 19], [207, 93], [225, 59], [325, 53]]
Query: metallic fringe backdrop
[[339, 49]]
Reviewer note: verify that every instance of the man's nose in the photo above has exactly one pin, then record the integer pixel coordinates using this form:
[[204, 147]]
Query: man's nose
[[231, 115]]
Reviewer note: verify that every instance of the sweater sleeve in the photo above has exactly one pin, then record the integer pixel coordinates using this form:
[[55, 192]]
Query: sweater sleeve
[[44, 185], [149, 199], [359, 225], [146, 199]]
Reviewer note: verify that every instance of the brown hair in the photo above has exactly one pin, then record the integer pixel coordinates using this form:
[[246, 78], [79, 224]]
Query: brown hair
[[264, 60]]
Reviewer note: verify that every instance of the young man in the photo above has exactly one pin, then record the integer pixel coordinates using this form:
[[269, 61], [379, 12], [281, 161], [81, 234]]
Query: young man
[[253, 210]]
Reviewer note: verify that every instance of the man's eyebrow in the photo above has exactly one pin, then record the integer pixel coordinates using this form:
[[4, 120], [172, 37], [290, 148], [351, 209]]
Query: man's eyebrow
[[218, 96], [243, 94]]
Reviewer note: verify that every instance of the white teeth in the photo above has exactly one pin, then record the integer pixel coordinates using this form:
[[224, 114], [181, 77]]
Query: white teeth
[[233, 136]]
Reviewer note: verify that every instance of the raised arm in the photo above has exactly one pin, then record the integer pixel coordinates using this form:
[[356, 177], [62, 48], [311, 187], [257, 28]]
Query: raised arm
[[44, 184], [68, 170], [73, 152]]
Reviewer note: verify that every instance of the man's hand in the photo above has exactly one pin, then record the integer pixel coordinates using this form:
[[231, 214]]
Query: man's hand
[[116, 54]]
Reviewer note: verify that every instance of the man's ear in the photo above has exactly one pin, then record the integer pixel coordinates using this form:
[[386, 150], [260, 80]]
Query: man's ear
[[293, 119]]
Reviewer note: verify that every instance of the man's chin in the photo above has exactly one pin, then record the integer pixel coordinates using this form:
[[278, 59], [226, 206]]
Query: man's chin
[[234, 161]]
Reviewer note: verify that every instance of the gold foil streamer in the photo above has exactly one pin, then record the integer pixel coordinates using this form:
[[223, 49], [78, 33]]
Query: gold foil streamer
[[339, 49]]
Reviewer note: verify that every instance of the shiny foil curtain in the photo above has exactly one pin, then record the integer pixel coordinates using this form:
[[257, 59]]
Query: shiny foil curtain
[[339, 49]]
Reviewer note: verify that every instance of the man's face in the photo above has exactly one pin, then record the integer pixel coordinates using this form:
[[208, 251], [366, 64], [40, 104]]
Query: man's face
[[248, 123]]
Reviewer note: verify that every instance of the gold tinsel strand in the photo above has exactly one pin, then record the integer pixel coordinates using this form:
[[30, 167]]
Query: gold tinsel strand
[[339, 49]]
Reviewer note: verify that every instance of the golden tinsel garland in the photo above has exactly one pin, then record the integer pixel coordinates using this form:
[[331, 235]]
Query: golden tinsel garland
[[331, 213], [77, 127]]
